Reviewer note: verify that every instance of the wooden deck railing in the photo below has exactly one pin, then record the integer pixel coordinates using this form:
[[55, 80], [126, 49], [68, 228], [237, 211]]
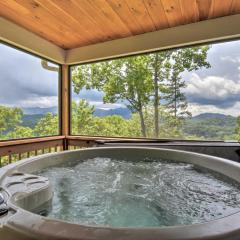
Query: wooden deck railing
[[14, 150], [11, 151]]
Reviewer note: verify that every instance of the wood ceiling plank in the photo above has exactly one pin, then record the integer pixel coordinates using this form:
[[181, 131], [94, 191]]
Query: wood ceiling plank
[[235, 9], [173, 12], [82, 22], [189, 10], [50, 21], [140, 13], [67, 21], [157, 13], [105, 17], [204, 8], [220, 8], [14, 5], [33, 20], [85, 12], [30, 25], [122, 10], [75, 23]]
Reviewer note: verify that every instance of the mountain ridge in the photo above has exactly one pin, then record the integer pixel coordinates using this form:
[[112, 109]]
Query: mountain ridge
[[208, 115], [209, 126], [39, 110], [124, 112]]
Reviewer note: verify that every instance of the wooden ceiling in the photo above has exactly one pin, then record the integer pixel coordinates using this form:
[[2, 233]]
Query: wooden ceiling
[[75, 23]]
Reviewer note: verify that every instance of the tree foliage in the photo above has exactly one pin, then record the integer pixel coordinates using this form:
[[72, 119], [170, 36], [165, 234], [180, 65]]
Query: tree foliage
[[20, 132], [9, 118], [151, 86], [142, 80], [237, 130], [125, 79], [47, 126], [82, 116], [188, 59]]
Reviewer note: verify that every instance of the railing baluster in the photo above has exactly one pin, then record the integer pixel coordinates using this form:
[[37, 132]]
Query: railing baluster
[[19, 149]]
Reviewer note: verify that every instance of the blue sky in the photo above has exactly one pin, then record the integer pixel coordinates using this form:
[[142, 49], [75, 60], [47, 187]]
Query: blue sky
[[24, 83]]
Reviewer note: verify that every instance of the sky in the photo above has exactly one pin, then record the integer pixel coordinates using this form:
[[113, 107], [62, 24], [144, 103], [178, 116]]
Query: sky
[[24, 83], [216, 89]]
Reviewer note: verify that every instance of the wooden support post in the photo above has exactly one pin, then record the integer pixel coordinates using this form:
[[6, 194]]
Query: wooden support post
[[65, 104]]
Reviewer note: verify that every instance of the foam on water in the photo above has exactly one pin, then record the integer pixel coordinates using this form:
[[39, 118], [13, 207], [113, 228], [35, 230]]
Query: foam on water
[[143, 193]]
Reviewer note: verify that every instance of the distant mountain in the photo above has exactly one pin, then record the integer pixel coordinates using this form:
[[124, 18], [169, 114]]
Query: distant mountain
[[211, 126], [211, 115], [124, 112], [99, 112], [208, 126], [38, 110], [33, 115], [31, 120]]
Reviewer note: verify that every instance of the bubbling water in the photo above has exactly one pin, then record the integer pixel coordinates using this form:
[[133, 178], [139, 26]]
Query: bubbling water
[[139, 193]]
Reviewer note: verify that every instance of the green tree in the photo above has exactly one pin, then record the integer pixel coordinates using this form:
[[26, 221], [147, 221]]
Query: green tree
[[82, 117], [9, 118], [128, 80], [160, 72], [188, 59], [20, 132], [108, 126], [138, 81], [47, 126], [237, 129], [168, 125], [166, 66], [84, 122], [133, 84]]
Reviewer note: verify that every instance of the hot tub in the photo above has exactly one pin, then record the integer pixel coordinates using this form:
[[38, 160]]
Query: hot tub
[[25, 194]]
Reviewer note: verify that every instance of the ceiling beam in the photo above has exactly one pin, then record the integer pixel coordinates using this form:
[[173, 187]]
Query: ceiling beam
[[224, 28], [24, 39], [201, 32]]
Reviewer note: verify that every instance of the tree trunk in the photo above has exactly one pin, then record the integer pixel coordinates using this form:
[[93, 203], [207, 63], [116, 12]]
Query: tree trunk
[[143, 127], [175, 98], [156, 98]]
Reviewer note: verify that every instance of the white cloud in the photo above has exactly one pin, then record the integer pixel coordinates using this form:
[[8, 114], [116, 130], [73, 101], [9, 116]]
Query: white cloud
[[42, 102], [230, 59], [212, 88]]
